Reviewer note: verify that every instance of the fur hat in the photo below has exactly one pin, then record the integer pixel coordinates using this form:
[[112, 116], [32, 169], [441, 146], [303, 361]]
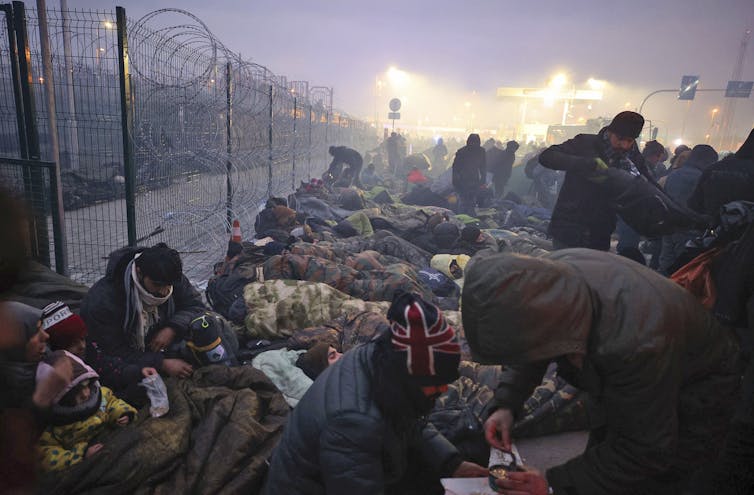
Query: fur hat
[[63, 327], [627, 124], [420, 333], [284, 216]]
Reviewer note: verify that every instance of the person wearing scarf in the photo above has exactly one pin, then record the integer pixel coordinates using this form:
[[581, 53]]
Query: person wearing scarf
[[135, 313], [582, 216]]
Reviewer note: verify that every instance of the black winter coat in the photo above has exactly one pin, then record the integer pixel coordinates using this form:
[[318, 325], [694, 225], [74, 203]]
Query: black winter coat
[[469, 168], [337, 442], [109, 348], [582, 216]]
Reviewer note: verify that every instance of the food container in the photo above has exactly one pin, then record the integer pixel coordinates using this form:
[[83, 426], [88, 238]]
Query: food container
[[501, 463]]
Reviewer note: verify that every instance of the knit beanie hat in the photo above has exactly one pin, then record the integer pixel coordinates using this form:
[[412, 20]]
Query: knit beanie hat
[[314, 361], [420, 333], [627, 124], [470, 233], [445, 234], [63, 327], [205, 341]]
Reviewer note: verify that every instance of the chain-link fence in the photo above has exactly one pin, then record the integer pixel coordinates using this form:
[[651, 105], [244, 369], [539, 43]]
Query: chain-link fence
[[209, 136]]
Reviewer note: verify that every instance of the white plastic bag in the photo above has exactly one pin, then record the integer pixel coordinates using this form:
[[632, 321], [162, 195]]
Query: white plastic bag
[[158, 395]]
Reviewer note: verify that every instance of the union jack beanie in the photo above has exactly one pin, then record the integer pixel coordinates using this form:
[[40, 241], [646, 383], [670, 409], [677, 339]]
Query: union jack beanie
[[419, 331]]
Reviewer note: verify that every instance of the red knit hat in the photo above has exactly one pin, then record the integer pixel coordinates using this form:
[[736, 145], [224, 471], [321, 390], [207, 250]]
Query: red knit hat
[[419, 330], [63, 327]]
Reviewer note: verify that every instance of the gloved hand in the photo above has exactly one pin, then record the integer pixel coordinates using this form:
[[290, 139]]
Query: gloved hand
[[598, 173]]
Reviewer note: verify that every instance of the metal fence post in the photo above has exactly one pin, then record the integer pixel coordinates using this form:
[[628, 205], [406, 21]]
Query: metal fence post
[[269, 142], [58, 215], [126, 122], [16, 78], [309, 147], [229, 142], [293, 166], [34, 178], [73, 131]]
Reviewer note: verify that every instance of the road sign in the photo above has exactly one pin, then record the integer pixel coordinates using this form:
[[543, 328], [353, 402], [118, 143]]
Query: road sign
[[688, 87], [739, 89], [394, 115], [395, 104]]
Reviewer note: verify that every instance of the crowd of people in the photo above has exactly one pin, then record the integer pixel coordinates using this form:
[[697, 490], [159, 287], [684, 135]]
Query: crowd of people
[[365, 297]]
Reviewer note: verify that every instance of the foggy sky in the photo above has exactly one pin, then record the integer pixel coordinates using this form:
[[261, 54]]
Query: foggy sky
[[479, 45]]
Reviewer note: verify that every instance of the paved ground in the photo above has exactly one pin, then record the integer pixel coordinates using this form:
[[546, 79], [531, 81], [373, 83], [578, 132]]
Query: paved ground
[[541, 453], [545, 452]]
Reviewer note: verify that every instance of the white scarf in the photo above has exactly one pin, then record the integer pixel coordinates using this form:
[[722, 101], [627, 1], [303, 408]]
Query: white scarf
[[146, 306]]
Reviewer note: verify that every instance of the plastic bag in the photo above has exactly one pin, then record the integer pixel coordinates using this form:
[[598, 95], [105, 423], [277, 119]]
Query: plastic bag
[[158, 395]]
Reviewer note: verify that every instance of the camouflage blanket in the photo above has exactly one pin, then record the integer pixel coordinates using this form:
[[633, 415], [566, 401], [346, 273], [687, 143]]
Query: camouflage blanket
[[221, 428], [277, 308], [370, 285], [348, 330], [555, 406], [404, 220], [385, 243], [522, 243], [362, 259]]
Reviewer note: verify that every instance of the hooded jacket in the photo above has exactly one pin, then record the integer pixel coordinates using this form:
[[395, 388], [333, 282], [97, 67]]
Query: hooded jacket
[[469, 166], [16, 374], [730, 179], [664, 370], [582, 216], [65, 441], [682, 181], [110, 346], [338, 442]]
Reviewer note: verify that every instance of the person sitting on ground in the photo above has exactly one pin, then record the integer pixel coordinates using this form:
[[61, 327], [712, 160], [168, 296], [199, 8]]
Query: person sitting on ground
[[358, 429], [370, 178], [136, 316], [78, 415], [343, 155], [66, 330]]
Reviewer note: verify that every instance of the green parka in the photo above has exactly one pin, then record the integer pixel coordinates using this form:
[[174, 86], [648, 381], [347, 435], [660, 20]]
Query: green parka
[[664, 370]]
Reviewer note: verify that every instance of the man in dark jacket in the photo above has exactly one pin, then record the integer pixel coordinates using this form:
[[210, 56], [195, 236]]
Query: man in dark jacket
[[142, 305], [679, 185], [582, 216], [344, 155], [500, 164], [663, 370], [358, 428], [469, 173]]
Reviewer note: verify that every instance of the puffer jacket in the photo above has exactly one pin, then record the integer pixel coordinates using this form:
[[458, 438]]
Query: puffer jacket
[[62, 446], [109, 345], [582, 216], [337, 442], [664, 370]]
